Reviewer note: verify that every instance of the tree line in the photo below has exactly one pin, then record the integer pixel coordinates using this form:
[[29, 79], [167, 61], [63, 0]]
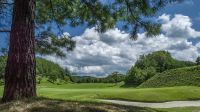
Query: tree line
[[114, 77]]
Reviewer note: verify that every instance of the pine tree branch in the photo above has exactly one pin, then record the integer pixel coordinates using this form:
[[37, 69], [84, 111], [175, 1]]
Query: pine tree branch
[[130, 10], [5, 3], [53, 14], [5, 31]]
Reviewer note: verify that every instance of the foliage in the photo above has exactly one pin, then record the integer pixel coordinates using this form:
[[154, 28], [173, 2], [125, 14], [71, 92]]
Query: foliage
[[161, 61], [53, 72], [2, 68], [112, 78], [104, 16], [148, 65], [198, 60], [136, 76], [188, 76], [115, 77], [44, 69], [50, 44]]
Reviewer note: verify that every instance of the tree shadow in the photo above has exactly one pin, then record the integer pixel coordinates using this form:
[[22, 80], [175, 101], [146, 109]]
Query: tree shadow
[[52, 105], [128, 86]]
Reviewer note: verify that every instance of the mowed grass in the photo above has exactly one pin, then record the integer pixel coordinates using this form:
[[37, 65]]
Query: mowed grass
[[82, 98], [91, 92]]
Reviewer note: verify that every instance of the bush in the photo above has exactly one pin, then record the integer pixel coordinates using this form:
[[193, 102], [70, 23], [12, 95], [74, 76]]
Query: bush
[[38, 79], [136, 76]]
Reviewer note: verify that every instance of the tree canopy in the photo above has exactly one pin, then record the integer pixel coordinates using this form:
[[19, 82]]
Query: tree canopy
[[134, 14]]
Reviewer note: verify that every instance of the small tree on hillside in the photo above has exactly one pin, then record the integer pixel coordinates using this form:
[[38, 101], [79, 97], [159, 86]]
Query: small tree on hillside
[[198, 60]]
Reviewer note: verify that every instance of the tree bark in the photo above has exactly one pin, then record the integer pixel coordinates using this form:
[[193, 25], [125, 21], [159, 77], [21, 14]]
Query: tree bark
[[20, 72]]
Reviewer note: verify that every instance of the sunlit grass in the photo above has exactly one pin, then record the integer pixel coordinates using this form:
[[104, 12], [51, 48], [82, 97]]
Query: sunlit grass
[[88, 93], [91, 92]]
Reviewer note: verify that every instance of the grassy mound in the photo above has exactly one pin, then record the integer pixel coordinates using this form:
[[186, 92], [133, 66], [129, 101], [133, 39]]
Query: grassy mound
[[187, 76]]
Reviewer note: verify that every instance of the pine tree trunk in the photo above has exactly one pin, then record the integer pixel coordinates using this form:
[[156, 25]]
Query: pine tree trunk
[[20, 70]]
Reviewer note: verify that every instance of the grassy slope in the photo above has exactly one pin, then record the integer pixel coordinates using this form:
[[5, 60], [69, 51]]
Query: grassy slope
[[188, 76]]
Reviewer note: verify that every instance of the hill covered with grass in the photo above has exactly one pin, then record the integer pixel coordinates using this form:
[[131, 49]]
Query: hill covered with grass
[[187, 76], [149, 65]]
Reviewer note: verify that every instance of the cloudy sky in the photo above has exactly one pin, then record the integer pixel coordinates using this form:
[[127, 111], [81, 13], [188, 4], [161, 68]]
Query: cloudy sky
[[100, 54]]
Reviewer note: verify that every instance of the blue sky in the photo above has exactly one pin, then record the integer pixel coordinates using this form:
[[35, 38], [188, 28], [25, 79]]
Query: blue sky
[[100, 54]]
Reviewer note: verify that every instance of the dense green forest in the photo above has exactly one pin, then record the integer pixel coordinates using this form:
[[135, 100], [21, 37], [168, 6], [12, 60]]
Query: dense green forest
[[149, 65], [44, 70]]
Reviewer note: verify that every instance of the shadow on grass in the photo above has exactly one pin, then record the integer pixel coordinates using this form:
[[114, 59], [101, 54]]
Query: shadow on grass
[[128, 86], [52, 105]]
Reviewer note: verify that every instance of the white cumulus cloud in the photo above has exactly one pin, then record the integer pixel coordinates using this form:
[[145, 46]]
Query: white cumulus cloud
[[178, 27], [98, 54]]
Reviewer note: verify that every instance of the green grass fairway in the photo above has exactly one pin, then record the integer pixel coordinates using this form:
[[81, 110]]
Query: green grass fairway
[[90, 92], [87, 93]]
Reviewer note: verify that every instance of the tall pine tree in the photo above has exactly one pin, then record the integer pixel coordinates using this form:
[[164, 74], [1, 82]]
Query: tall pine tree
[[20, 70]]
